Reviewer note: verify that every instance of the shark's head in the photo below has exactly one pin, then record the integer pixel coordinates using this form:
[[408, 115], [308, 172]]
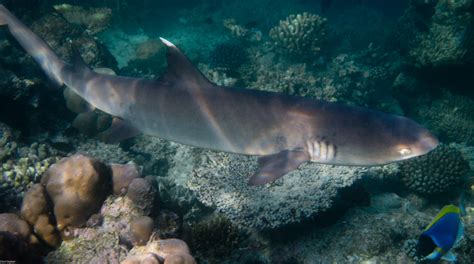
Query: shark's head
[[375, 138], [409, 139]]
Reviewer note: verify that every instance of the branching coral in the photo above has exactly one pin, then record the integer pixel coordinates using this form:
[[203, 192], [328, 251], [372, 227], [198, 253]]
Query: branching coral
[[447, 39], [229, 55], [437, 172], [451, 116], [300, 34], [24, 169]]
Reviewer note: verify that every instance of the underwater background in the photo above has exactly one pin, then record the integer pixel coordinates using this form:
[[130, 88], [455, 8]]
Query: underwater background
[[148, 199]]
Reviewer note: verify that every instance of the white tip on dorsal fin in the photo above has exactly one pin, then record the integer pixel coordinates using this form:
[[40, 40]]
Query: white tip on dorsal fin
[[167, 42]]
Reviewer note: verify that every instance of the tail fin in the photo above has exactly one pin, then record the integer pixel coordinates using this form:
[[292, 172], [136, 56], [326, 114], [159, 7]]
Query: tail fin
[[35, 46], [4, 13]]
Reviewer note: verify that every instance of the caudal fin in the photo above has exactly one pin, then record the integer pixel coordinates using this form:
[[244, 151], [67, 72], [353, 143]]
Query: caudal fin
[[4, 13]]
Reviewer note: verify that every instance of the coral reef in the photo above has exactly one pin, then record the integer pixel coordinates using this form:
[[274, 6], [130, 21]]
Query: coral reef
[[382, 232], [141, 230], [16, 82], [122, 175], [94, 20], [37, 211], [52, 28], [149, 59], [99, 244], [25, 166], [451, 117], [214, 238], [348, 78], [219, 180], [447, 40], [92, 123], [301, 34], [173, 251], [13, 224], [112, 153], [7, 144], [142, 193], [228, 55], [437, 172], [16, 250], [77, 186], [217, 75]]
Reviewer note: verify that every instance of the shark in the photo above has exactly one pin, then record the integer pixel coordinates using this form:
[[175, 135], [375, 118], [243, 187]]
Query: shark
[[183, 106]]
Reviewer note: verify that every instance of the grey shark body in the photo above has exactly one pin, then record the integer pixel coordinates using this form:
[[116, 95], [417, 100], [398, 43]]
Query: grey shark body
[[183, 106]]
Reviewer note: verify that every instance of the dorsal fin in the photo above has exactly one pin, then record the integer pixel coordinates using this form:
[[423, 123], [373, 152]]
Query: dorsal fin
[[180, 67]]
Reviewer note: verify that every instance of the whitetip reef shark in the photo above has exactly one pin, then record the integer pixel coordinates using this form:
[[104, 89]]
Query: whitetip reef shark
[[185, 107]]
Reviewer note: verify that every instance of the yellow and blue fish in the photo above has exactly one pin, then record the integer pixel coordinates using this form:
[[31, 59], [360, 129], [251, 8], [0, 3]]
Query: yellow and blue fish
[[441, 235]]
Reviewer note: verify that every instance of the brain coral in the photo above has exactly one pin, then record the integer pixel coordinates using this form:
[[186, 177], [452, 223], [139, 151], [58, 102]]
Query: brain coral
[[299, 34], [437, 172]]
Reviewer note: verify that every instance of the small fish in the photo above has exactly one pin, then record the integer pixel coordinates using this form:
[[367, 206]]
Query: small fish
[[441, 235]]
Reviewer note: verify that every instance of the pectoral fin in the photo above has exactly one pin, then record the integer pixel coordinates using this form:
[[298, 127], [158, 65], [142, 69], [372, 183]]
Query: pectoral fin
[[274, 166], [118, 131]]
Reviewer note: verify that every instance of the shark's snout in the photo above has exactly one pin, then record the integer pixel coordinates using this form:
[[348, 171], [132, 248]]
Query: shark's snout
[[426, 142]]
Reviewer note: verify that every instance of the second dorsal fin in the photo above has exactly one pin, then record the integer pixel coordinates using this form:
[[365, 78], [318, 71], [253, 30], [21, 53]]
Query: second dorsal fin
[[180, 67]]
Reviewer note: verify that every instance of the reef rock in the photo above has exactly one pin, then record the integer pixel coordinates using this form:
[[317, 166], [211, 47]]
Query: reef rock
[[173, 251]]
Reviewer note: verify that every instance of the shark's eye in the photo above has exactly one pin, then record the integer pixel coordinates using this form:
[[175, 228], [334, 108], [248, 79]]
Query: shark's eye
[[404, 151]]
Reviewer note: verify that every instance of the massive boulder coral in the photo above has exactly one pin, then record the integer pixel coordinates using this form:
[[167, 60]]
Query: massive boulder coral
[[37, 211], [77, 185], [437, 172], [300, 34]]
